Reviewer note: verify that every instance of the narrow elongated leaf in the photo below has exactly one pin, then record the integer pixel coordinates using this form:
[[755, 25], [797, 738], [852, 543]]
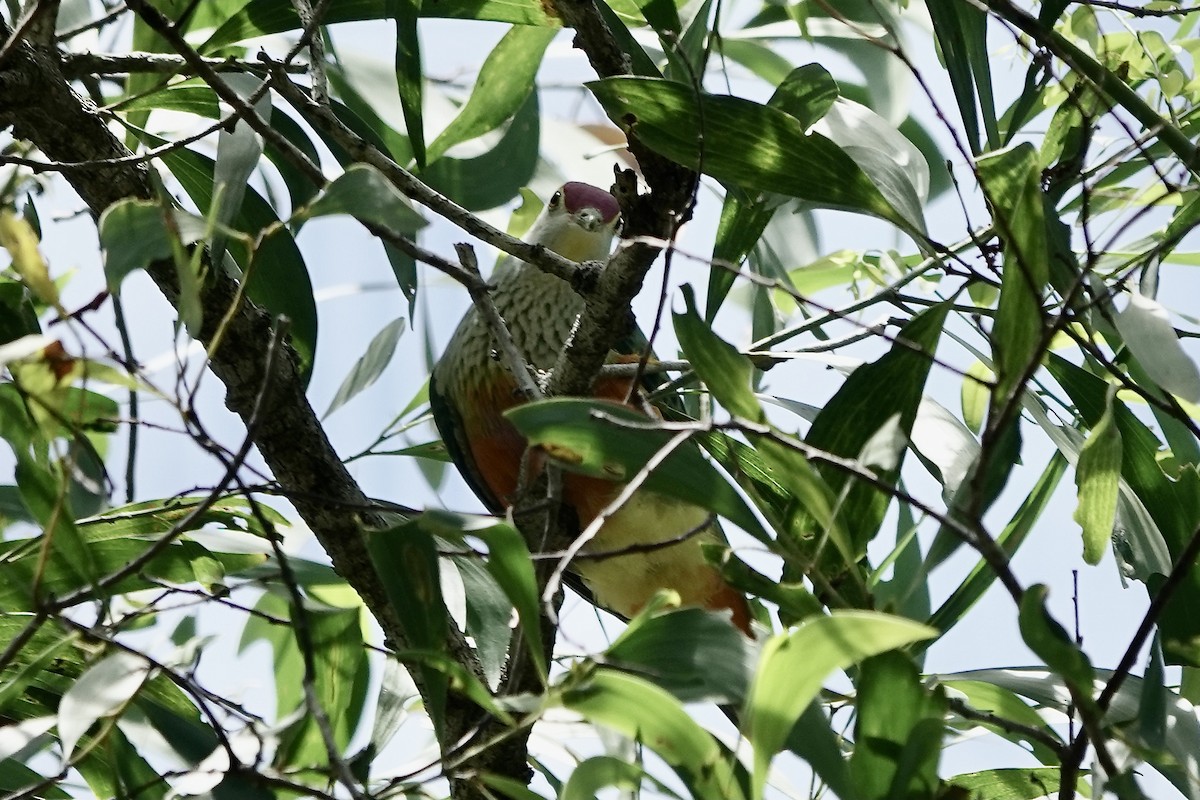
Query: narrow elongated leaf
[[1006, 705], [898, 730], [1010, 540], [780, 157], [1173, 505], [18, 238], [505, 81], [894, 164], [279, 280], [692, 653], [370, 365], [101, 691], [1051, 642], [1012, 180], [1146, 328], [961, 33], [1097, 478], [874, 393], [1010, 783], [509, 564], [238, 154], [339, 681], [743, 220], [134, 235], [46, 499], [264, 17], [364, 193], [725, 371], [650, 715], [793, 666], [410, 76], [601, 772], [406, 559], [509, 165]]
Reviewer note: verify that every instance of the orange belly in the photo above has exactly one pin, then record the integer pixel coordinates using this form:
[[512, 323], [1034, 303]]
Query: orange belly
[[623, 583]]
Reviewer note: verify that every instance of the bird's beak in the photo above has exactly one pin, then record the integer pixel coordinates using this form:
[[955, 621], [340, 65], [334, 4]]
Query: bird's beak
[[590, 219]]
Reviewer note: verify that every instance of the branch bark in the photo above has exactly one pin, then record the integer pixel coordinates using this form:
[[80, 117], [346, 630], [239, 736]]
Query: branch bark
[[39, 105]]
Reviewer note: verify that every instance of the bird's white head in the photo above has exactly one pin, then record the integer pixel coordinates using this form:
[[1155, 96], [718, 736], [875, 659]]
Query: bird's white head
[[578, 223]]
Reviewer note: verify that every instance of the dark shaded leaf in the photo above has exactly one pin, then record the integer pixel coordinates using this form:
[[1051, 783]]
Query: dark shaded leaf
[[780, 158], [694, 654]]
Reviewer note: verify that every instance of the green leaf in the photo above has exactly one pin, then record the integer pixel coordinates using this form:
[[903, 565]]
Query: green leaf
[[18, 779], [1050, 641], [199, 100], [509, 165], [650, 715], [238, 155], [975, 393], [509, 563], [897, 731], [793, 666], [780, 157], [504, 83], [1006, 705], [264, 17], [727, 373], [406, 559], [47, 500], [1173, 505], [17, 315], [807, 93], [278, 279], [813, 740], [1152, 704], [1012, 180], [134, 235], [339, 680], [1010, 783], [890, 387], [364, 193], [1097, 476], [694, 654], [602, 772], [961, 33], [370, 365], [1022, 523], [743, 220], [410, 76], [582, 441]]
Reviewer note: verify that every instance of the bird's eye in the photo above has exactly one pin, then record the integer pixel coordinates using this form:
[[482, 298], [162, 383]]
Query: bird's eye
[[556, 199]]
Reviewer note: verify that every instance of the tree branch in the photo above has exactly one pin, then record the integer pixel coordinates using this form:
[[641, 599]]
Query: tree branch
[[39, 105]]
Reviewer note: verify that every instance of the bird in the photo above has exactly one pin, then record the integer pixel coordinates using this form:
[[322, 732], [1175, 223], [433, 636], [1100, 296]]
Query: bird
[[470, 389]]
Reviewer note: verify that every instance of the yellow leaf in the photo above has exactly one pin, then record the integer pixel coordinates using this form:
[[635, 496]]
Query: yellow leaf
[[18, 238]]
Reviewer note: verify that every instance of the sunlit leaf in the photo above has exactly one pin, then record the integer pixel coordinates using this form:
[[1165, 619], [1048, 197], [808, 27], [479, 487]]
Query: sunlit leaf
[[1146, 328], [1097, 478], [100, 692], [1012, 179], [648, 714], [505, 81], [793, 666]]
